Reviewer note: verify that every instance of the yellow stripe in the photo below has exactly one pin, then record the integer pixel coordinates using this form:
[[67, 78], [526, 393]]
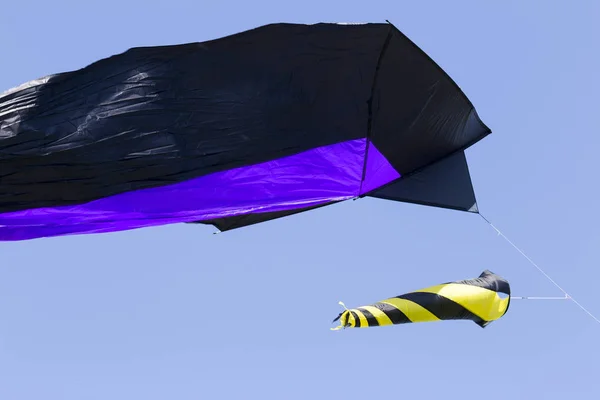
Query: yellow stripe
[[480, 301], [413, 311], [379, 315], [344, 318], [351, 319], [363, 320]]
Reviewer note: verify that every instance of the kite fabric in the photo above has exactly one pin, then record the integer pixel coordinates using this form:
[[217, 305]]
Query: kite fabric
[[235, 131], [475, 299]]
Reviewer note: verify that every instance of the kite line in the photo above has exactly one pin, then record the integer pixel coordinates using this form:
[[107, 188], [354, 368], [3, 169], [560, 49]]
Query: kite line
[[567, 295]]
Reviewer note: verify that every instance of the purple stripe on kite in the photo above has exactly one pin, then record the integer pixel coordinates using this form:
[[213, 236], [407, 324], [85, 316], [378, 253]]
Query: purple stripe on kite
[[378, 171], [318, 176]]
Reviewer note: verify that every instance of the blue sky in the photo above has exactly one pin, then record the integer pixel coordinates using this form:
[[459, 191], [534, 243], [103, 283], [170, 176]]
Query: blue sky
[[178, 313]]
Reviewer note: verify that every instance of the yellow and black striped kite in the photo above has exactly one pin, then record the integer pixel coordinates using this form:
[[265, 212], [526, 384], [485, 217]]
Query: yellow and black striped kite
[[475, 299]]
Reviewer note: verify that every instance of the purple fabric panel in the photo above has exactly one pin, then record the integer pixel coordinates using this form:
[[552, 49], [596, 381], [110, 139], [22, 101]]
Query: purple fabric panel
[[26, 232], [378, 171], [314, 177]]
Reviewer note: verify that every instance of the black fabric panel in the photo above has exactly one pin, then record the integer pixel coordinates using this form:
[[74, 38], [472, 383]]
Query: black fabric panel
[[420, 115], [440, 306], [159, 115], [371, 320], [489, 280], [445, 184], [230, 223], [358, 323], [394, 314]]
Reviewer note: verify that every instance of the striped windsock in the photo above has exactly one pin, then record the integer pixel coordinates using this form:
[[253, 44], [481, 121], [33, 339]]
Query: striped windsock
[[475, 299]]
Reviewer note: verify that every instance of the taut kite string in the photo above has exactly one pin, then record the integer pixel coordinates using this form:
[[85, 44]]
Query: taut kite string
[[567, 295]]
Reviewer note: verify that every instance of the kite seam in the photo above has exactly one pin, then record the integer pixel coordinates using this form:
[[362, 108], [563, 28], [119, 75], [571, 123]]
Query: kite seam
[[370, 106], [567, 295]]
